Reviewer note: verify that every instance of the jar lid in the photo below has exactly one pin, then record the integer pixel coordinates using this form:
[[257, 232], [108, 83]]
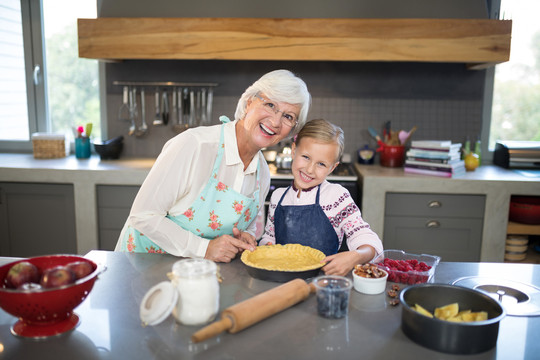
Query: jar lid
[[193, 268], [158, 303]]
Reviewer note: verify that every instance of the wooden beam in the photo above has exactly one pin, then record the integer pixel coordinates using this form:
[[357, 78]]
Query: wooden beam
[[477, 41]]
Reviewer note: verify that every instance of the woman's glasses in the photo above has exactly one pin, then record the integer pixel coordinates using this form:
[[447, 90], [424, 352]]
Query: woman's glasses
[[271, 108]]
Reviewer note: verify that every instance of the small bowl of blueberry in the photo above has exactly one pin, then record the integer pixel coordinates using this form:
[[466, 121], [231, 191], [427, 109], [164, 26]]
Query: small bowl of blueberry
[[333, 294]]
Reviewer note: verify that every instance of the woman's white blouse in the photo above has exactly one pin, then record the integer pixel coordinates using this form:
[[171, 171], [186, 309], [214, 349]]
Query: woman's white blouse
[[177, 178]]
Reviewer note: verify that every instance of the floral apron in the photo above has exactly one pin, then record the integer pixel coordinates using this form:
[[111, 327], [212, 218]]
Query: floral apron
[[306, 225], [214, 213]]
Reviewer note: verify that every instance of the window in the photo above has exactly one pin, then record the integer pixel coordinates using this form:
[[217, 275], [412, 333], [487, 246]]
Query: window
[[45, 87], [516, 96]]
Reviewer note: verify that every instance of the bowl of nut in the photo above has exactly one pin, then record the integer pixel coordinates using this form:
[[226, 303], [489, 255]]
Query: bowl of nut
[[43, 291], [369, 279]]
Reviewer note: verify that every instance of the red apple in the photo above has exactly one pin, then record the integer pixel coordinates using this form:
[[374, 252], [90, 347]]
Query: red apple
[[80, 268], [57, 276], [21, 273]]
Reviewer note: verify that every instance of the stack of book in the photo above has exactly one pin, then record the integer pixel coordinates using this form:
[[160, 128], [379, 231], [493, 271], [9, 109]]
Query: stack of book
[[435, 158]]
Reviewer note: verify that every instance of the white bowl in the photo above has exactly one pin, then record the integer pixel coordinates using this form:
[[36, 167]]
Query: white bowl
[[370, 286]]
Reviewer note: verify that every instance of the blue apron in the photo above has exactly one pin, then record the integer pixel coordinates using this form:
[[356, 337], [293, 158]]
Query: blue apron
[[306, 225], [215, 212]]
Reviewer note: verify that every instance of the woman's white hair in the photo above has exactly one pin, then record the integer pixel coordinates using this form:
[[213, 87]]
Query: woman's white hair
[[280, 86]]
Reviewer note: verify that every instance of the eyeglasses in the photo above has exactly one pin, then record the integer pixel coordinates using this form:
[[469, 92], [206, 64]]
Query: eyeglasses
[[271, 108]]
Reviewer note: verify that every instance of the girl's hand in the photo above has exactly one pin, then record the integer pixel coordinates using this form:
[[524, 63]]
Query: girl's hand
[[341, 263]]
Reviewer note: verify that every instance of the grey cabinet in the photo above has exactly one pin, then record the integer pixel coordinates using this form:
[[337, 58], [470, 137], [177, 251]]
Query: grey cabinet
[[114, 203], [37, 219], [446, 225]]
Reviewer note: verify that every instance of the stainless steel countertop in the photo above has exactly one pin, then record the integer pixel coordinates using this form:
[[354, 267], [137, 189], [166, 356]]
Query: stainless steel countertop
[[110, 327]]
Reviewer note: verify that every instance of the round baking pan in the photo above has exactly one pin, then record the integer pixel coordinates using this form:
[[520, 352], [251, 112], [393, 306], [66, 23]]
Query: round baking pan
[[447, 336], [281, 276]]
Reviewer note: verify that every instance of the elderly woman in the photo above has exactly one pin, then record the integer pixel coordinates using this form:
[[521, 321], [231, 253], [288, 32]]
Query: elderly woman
[[208, 185]]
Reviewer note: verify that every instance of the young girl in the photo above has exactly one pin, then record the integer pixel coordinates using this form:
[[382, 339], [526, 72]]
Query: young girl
[[316, 213]]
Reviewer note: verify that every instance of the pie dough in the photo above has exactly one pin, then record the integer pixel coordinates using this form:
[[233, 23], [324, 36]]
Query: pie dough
[[289, 257]]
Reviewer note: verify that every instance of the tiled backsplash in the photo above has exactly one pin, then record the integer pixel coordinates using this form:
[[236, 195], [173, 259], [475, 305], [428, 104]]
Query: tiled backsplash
[[444, 101]]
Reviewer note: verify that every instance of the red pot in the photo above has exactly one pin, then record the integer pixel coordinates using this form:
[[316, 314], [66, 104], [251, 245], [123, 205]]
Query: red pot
[[525, 209], [392, 155]]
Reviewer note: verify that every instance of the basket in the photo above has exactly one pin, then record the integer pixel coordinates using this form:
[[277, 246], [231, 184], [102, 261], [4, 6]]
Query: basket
[[49, 146]]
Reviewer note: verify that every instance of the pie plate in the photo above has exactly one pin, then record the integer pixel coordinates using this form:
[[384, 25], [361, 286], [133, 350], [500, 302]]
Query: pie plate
[[282, 263]]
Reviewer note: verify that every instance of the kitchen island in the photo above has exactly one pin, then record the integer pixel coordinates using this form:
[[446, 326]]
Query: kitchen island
[[110, 327]]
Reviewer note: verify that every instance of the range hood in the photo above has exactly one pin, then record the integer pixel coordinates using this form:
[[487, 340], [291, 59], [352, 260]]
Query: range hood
[[479, 43]]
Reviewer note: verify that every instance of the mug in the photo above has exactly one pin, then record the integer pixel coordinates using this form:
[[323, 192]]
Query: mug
[[82, 148]]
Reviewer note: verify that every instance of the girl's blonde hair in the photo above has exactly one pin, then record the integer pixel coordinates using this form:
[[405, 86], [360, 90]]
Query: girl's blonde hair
[[323, 131]]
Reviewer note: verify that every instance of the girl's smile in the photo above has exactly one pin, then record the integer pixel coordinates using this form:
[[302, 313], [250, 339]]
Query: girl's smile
[[312, 162]]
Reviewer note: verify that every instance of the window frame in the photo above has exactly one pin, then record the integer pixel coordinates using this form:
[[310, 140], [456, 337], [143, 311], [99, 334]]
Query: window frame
[[34, 55]]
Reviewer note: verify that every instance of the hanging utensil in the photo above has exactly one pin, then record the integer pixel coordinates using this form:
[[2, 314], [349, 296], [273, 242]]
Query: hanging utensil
[[203, 107], [144, 127], [157, 118], [209, 100], [180, 111], [165, 104], [185, 100], [133, 111], [174, 107], [192, 108], [179, 125], [123, 110]]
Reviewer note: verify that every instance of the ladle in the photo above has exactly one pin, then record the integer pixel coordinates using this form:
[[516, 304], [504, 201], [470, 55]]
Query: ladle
[[133, 111], [144, 127], [157, 119]]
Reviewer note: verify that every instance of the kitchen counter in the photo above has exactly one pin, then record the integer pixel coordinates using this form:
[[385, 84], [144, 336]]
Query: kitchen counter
[[110, 327], [496, 183], [85, 174]]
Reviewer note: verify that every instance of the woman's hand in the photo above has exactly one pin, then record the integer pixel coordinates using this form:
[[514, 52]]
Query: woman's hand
[[225, 247], [244, 236], [341, 263]]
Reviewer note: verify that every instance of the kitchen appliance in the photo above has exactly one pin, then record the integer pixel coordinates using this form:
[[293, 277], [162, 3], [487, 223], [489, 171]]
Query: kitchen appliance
[[517, 154]]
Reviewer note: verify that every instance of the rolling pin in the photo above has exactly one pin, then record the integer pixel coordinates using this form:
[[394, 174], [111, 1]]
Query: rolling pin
[[261, 306]]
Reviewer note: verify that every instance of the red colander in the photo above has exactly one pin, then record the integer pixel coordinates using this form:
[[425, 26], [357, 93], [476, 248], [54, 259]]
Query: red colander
[[46, 312]]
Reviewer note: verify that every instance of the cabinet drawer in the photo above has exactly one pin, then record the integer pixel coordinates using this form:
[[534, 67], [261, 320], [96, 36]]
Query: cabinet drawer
[[116, 195], [453, 239], [408, 204]]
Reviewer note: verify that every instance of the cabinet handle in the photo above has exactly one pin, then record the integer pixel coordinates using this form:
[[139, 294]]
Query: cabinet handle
[[433, 224], [434, 204]]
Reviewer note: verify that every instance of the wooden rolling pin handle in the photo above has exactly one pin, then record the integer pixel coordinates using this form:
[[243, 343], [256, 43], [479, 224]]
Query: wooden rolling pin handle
[[212, 330]]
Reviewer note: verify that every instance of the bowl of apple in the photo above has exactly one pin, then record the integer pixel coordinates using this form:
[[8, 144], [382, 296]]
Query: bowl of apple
[[43, 291]]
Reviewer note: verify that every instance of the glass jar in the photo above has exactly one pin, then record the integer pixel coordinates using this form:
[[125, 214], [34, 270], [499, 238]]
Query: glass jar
[[196, 281]]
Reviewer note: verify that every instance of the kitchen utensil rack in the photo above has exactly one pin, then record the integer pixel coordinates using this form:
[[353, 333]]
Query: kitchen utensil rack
[[164, 84], [191, 104]]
